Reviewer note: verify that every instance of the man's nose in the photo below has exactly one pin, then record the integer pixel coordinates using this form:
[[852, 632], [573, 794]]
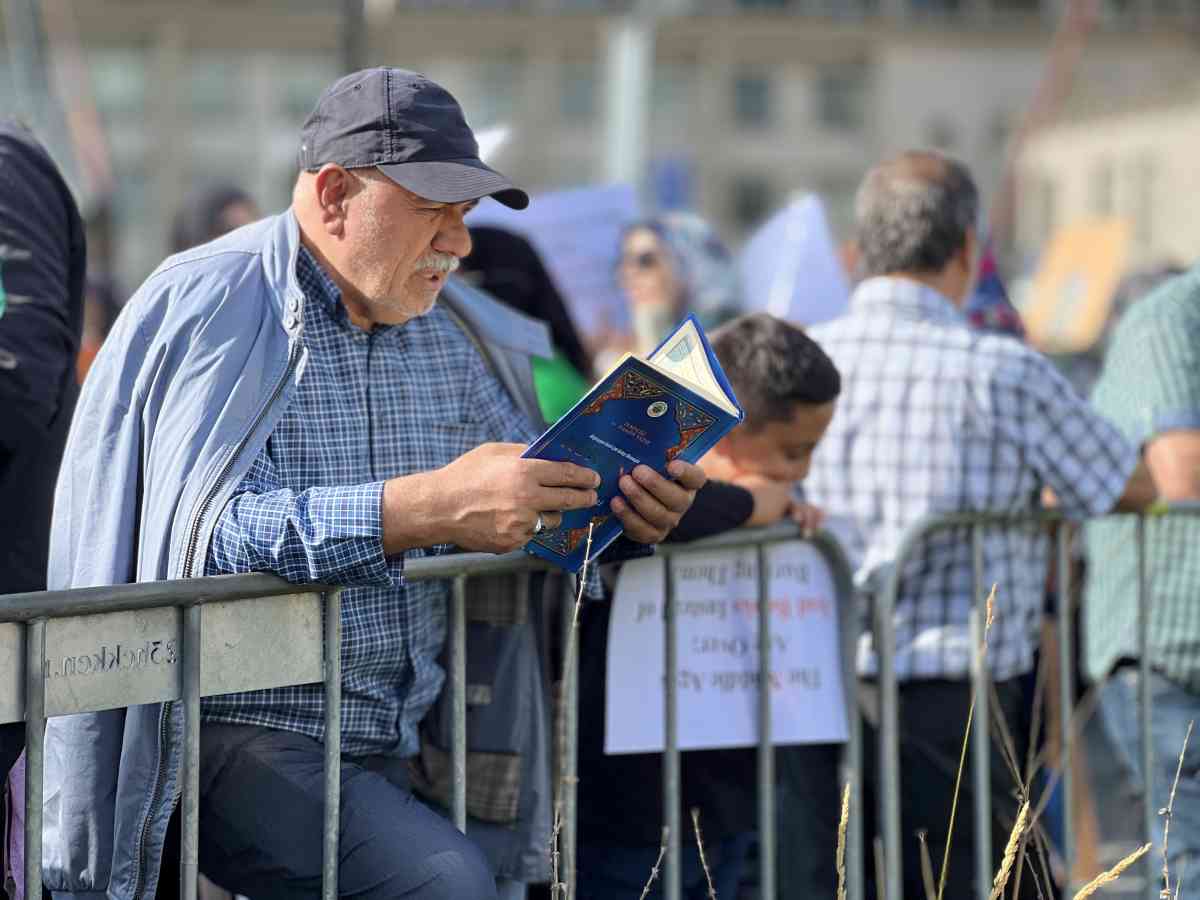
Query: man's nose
[[453, 237]]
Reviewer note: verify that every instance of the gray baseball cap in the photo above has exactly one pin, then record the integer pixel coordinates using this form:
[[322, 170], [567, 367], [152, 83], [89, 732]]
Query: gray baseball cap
[[409, 127]]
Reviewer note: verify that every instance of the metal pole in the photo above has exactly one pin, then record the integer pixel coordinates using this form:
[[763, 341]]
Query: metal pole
[[570, 738], [35, 752], [354, 35], [1149, 808], [189, 864], [982, 748], [1066, 702], [889, 733], [766, 751], [333, 742], [458, 701], [672, 879], [630, 69]]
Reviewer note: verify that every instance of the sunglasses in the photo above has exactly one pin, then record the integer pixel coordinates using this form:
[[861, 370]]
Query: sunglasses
[[646, 260]]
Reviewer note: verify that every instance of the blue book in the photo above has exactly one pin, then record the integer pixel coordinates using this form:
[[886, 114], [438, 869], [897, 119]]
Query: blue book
[[676, 404]]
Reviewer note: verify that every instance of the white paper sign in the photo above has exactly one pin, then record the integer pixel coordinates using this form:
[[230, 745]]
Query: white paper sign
[[717, 620], [791, 268], [577, 233]]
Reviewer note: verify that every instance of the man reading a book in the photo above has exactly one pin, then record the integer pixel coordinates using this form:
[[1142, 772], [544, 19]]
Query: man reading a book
[[289, 399]]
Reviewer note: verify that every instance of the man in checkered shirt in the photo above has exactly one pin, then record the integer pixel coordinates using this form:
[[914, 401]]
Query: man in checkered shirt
[[935, 417]]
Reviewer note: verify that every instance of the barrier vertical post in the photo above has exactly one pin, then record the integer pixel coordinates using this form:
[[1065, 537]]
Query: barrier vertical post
[[1145, 719], [458, 701], [189, 864], [982, 730], [766, 749], [889, 734], [672, 878], [570, 739], [35, 751], [333, 742], [1066, 697]]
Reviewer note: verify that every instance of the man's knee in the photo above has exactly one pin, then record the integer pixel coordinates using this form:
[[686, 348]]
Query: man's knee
[[458, 874]]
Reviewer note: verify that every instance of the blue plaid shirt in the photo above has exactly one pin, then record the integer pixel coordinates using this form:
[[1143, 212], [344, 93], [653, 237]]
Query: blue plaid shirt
[[370, 406]]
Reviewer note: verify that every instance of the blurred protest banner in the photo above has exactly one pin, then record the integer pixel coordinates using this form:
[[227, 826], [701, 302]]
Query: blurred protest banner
[[716, 612], [1071, 297], [577, 233], [791, 268]]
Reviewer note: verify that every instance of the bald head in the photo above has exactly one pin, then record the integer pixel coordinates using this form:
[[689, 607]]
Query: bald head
[[916, 216]]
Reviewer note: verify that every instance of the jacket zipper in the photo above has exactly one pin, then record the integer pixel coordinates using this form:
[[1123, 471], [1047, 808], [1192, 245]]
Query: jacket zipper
[[160, 775]]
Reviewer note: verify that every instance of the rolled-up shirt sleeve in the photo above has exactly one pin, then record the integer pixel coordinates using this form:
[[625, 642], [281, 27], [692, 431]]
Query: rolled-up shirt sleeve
[[331, 535]]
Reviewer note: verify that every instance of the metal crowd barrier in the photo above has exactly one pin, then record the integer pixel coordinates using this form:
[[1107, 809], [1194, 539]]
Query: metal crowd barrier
[[889, 731], [92, 649]]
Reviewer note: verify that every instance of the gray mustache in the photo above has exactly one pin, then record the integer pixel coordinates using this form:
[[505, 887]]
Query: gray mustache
[[442, 263]]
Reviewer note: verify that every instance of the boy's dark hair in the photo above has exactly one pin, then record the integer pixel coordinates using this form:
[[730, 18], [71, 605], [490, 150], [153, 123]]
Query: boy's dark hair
[[773, 367]]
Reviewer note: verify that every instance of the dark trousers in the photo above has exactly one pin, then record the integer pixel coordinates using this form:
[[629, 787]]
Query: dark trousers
[[933, 719], [12, 742], [261, 812]]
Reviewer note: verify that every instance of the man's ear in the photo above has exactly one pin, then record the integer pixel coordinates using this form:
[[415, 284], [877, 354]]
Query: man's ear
[[333, 186]]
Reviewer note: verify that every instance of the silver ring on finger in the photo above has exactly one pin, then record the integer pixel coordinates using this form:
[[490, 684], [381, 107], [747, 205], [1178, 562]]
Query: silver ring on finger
[[540, 525]]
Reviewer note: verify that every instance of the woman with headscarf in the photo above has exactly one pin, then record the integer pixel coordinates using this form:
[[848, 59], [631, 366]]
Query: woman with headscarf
[[672, 265], [507, 266]]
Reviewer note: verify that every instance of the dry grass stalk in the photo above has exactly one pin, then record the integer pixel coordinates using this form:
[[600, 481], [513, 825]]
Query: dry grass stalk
[[841, 843], [557, 888], [926, 864], [1166, 813], [662, 851], [962, 759], [1010, 853], [1112, 874], [712, 891]]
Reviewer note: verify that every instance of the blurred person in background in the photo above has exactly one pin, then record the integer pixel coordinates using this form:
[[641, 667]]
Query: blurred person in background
[[788, 387], [209, 211], [670, 266], [43, 257], [1150, 386], [935, 417], [347, 420], [508, 267]]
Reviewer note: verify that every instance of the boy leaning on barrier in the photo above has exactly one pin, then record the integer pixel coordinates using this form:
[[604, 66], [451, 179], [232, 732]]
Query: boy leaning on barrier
[[788, 388]]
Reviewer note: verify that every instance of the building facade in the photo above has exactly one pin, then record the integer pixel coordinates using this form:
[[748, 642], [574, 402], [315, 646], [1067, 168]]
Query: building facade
[[750, 101]]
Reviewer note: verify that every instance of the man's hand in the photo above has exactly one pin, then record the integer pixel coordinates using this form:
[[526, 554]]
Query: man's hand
[[488, 499], [652, 505]]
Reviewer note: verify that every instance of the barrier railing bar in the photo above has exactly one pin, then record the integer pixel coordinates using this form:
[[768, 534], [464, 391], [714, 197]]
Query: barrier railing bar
[[1066, 703], [35, 752], [333, 742], [458, 701], [672, 877], [850, 762], [570, 739], [1144, 707], [981, 739], [189, 861], [889, 731], [766, 751]]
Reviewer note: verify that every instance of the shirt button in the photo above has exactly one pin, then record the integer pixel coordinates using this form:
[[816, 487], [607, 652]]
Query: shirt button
[[294, 304], [289, 322]]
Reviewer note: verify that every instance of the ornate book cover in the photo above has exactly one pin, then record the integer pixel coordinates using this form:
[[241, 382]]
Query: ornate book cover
[[638, 413]]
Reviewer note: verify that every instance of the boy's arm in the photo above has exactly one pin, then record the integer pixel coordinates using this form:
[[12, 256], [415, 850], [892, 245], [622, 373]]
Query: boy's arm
[[718, 507]]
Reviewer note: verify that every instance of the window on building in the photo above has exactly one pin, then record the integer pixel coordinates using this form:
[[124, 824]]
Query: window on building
[[671, 97], [934, 7], [1016, 6], [216, 86], [842, 96], [119, 83], [577, 102], [1103, 189], [750, 201], [752, 100], [300, 83], [941, 134], [1144, 183], [499, 91]]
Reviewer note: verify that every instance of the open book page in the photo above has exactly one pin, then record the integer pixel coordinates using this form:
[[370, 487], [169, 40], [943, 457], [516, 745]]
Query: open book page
[[683, 358]]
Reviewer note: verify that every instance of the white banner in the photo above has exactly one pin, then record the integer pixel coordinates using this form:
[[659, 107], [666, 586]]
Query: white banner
[[716, 613]]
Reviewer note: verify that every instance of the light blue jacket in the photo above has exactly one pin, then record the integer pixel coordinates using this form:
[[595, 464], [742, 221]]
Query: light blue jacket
[[193, 378]]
